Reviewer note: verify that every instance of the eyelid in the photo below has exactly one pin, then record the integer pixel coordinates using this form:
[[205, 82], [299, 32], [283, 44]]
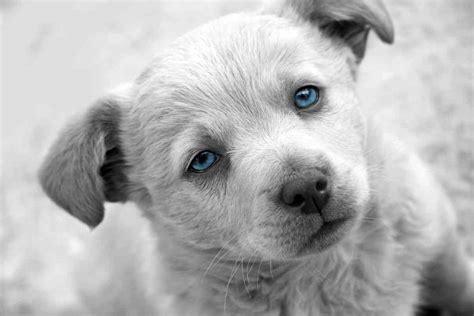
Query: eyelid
[[297, 84]]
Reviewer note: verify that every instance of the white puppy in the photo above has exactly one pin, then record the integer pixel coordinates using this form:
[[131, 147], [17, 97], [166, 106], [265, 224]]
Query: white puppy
[[266, 188]]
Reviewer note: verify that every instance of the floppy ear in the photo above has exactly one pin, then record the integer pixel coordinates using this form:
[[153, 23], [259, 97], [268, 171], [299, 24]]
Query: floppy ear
[[349, 20], [86, 166]]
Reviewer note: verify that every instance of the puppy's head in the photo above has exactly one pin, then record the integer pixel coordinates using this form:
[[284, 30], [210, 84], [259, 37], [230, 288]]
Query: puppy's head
[[245, 134]]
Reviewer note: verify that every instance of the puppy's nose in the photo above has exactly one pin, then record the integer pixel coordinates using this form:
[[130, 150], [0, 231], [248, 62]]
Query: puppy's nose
[[309, 194]]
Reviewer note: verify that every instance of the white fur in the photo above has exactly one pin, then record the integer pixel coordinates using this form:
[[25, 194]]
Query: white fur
[[218, 243]]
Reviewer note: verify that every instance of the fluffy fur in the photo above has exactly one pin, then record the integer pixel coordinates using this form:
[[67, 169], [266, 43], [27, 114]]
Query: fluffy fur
[[224, 243]]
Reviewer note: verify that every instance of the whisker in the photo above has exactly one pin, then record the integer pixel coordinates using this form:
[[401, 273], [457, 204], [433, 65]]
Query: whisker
[[243, 276], [251, 267], [222, 257], [210, 264], [234, 271], [258, 271], [227, 251]]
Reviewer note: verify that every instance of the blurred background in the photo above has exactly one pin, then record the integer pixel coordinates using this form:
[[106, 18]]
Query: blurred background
[[58, 57]]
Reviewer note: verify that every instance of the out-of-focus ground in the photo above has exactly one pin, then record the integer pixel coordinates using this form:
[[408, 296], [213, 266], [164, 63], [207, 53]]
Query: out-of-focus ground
[[57, 57]]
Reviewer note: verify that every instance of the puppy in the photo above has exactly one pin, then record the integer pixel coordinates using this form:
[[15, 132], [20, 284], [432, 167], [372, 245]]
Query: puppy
[[264, 189]]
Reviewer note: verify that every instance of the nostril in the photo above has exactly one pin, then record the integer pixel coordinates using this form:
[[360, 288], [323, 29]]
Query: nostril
[[321, 195], [298, 200], [321, 185], [293, 194]]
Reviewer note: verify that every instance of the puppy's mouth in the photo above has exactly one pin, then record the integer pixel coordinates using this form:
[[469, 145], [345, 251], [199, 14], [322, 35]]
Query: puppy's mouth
[[330, 232]]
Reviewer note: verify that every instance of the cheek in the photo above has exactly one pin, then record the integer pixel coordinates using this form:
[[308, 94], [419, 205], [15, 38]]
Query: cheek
[[194, 215], [346, 143], [241, 199], [355, 183], [361, 184], [343, 129], [351, 186]]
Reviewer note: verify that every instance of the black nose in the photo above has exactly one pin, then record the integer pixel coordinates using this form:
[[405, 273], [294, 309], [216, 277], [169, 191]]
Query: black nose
[[309, 193]]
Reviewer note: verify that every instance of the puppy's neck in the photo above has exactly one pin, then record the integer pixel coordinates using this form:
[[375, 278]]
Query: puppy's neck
[[217, 279]]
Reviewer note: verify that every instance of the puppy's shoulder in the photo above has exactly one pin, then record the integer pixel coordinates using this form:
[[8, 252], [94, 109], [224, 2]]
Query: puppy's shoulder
[[409, 197]]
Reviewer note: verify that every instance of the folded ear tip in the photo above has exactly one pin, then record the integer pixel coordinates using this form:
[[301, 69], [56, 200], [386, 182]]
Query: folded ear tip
[[94, 220], [93, 224], [91, 215], [386, 31], [387, 35]]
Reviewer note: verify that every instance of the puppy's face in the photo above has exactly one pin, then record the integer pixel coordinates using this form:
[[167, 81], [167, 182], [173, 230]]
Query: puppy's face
[[252, 137], [246, 134]]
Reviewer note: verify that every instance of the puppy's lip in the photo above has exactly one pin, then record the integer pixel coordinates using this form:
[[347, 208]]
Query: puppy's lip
[[327, 235], [330, 227]]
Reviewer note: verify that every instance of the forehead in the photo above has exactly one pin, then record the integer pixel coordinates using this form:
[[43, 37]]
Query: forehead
[[240, 67]]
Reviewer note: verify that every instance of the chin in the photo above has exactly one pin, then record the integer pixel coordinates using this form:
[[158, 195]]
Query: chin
[[302, 244], [329, 235]]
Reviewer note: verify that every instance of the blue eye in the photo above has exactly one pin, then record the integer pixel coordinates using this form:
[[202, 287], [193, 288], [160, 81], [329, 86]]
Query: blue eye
[[306, 97], [203, 161]]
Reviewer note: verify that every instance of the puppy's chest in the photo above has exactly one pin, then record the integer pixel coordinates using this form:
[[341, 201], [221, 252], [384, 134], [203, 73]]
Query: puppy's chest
[[345, 294], [339, 288], [341, 292]]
